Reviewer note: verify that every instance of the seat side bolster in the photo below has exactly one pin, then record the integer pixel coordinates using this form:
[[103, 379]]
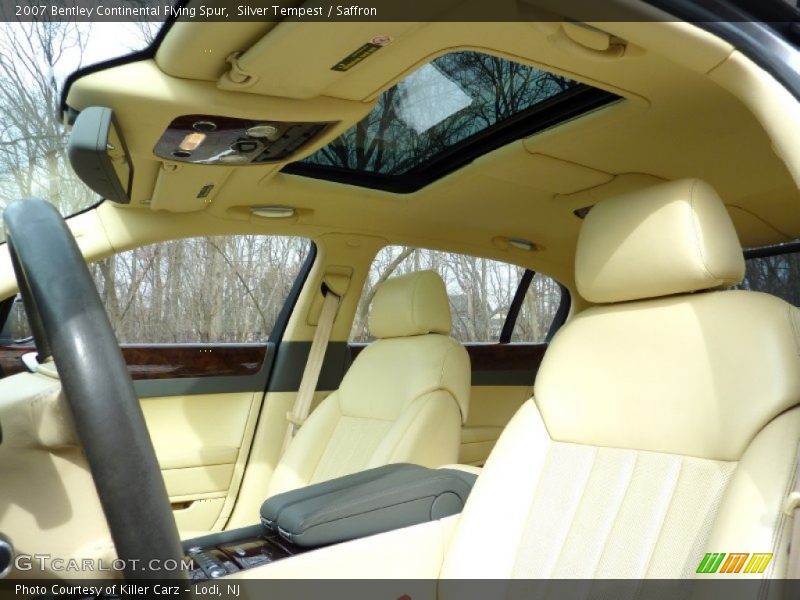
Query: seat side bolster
[[509, 480], [750, 517], [428, 433], [457, 376]]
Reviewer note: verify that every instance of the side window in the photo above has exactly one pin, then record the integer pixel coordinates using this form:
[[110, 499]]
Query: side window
[[778, 274], [481, 294], [199, 290]]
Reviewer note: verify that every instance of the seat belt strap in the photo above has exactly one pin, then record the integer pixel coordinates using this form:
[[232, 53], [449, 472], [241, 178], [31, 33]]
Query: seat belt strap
[[792, 509], [308, 384]]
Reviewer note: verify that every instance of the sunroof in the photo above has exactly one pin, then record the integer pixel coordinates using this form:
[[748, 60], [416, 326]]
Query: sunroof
[[444, 115]]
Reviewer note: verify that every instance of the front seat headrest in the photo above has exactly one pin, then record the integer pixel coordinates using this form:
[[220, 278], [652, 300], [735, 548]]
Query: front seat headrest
[[412, 304], [670, 238]]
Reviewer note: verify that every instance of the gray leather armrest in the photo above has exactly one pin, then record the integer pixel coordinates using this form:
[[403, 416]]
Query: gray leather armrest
[[367, 503]]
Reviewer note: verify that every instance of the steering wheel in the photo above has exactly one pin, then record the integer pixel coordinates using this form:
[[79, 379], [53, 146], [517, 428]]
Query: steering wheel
[[70, 324]]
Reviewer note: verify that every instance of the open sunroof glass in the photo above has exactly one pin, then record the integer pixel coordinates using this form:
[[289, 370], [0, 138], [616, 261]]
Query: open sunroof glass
[[445, 114]]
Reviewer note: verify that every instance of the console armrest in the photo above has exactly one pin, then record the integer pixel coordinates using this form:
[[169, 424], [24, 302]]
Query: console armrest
[[366, 503]]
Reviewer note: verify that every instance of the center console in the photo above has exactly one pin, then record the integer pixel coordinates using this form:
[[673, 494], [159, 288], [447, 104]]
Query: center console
[[335, 511], [218, 555]]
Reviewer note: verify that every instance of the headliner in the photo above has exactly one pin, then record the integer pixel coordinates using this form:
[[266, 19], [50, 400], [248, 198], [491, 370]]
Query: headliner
[[679, 119]]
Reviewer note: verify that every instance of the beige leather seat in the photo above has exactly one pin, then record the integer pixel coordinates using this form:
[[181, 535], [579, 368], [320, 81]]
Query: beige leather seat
[[403, 399], [664, 424]]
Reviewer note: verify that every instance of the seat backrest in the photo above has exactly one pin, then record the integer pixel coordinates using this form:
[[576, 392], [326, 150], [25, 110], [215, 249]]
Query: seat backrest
[[403, 399], [664, 424]]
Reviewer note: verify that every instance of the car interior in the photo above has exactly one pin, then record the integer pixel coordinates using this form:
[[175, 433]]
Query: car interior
[[631, 411]]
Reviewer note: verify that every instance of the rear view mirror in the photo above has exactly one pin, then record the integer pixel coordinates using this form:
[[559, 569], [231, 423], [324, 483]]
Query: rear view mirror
[[99, 156]]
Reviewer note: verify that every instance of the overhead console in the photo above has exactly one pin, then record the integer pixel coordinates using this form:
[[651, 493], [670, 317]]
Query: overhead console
[[219, 140], [331, 512]]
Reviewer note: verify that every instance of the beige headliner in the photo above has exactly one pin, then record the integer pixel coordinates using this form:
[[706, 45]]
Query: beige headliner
[[694, 108]]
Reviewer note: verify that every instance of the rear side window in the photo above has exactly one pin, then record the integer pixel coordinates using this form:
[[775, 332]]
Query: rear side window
[[481, 293], [778, 274]]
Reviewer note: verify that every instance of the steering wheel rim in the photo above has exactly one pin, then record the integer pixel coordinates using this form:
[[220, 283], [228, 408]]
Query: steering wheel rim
[[70, 323]]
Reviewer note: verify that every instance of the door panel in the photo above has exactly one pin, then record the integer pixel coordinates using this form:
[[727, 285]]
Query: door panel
[[192, 483], [202, 443], [200, 402], [167, 361], [502, 379], [505, 364], [193, 517], [490, 410]]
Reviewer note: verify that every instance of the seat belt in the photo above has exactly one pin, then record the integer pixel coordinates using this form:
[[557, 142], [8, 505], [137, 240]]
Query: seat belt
[[308, 384], [792, 509]]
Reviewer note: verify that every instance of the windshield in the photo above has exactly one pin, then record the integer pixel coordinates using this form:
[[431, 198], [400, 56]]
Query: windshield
[[35, 59]]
